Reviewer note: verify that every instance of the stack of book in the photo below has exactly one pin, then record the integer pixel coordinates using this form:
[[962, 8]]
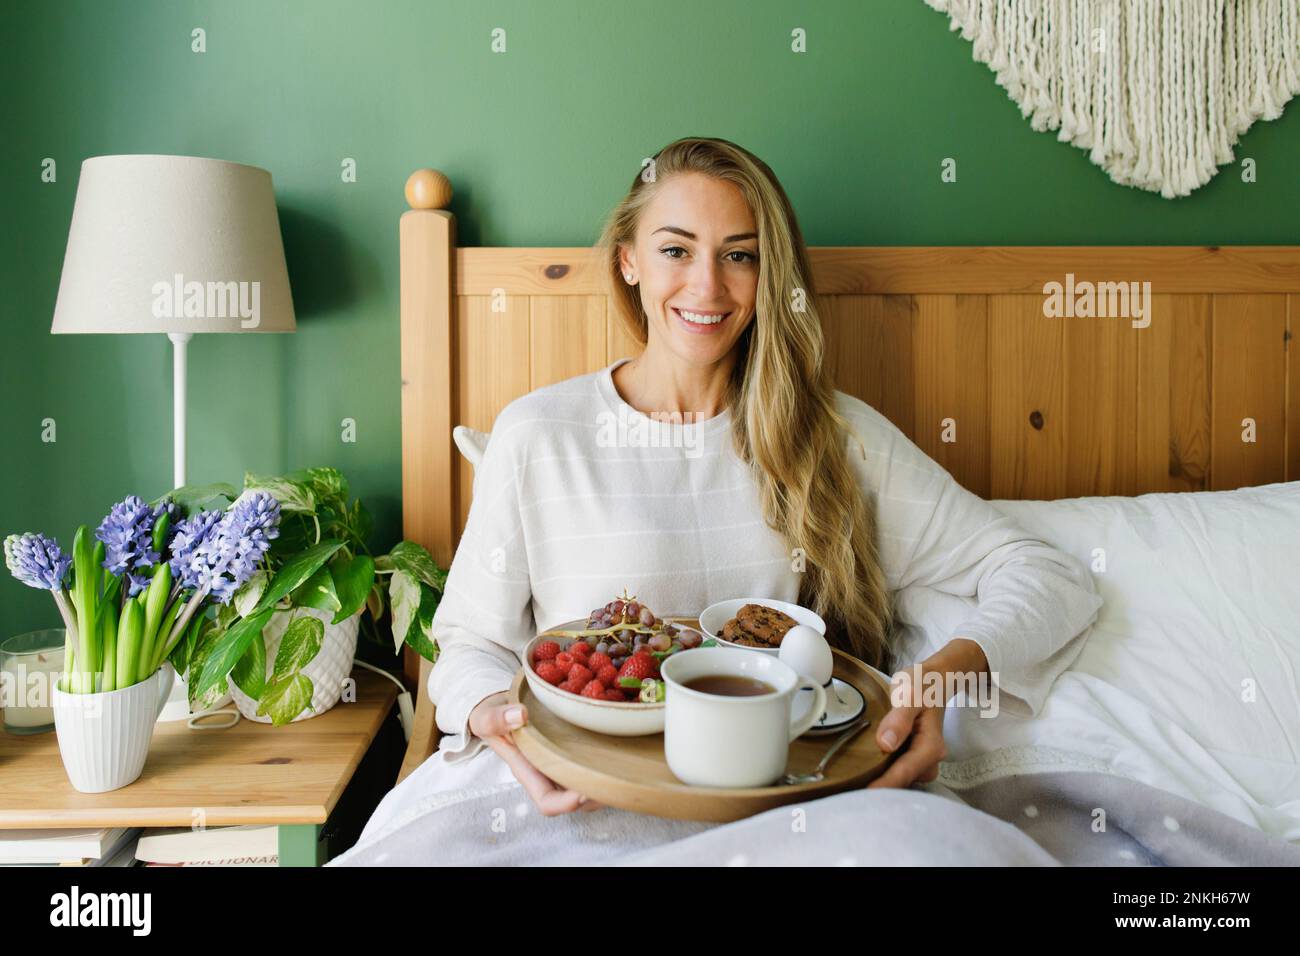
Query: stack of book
[[96, 846], [125, 846], [220, 846]]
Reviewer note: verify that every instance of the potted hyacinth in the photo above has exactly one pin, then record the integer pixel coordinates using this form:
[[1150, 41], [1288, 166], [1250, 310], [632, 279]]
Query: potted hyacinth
[[133, 598]]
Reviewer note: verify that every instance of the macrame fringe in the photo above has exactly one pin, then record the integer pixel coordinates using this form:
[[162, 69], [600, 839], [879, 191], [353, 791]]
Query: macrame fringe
[[1157, 91]]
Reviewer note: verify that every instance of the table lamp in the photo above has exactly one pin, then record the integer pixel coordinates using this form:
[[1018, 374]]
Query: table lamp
[[174, 244]]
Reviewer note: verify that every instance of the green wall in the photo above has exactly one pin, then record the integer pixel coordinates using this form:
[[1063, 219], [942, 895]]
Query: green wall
[[539, 142]]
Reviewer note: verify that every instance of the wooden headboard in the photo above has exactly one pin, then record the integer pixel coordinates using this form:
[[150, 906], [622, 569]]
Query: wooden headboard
[[1044, 407]]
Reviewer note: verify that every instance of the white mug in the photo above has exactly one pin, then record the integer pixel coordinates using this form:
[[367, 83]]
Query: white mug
[[712, 740]]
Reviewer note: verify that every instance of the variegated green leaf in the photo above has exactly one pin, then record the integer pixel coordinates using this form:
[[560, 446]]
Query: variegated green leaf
[[249, 593], [416, 561], [404, 593], [293, 496], [285, 699], [301, 643], [318, 592]]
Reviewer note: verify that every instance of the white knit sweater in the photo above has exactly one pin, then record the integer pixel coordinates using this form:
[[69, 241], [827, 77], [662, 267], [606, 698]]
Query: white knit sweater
[[579, 496]]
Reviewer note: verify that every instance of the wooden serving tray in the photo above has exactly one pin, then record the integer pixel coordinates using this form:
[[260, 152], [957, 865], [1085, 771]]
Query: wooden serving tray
[[630, 772]]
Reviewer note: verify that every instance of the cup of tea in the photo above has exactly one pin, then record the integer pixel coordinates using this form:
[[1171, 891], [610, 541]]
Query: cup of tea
[[727, 720]]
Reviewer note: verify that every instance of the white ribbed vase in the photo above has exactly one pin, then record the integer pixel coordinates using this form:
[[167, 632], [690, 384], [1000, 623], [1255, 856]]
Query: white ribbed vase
[[104, 738], [327, 671]]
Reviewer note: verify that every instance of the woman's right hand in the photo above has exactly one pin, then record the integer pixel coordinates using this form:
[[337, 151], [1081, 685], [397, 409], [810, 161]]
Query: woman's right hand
[[492, 720]]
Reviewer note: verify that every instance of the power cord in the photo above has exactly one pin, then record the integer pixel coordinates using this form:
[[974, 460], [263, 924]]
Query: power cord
[[213, 712], [405, 708]]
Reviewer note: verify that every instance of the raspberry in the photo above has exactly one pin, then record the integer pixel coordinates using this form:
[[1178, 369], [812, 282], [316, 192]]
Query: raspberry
[[545, 651], [615, 694], [594, 689], [599, 661], [580, 673], [564, 660], [571, 686], [607, 675], [549, 672], [581, 648]]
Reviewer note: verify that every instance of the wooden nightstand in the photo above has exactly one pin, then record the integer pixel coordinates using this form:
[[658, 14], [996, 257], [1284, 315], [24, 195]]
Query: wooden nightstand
[[291, 777]]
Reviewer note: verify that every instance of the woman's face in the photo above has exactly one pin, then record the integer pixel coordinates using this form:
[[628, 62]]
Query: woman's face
[[696, 264]]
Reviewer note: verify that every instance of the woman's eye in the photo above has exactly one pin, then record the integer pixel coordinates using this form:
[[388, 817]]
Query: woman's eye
[[745, 256]]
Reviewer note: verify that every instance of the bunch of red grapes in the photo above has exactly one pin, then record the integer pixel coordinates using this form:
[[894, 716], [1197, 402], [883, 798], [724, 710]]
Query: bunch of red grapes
[[635, 628]]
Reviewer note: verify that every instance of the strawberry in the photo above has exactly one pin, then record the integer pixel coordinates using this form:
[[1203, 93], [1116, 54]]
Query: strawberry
[[545, 651], [594, 689], [550, 672], [580, 674], [639, 666], [607, 675]]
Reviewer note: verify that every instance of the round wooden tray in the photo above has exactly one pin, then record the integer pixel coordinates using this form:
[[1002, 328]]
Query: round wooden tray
[[630, 772]]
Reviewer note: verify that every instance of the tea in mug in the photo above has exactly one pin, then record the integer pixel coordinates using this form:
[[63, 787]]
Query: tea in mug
[[729, 685]]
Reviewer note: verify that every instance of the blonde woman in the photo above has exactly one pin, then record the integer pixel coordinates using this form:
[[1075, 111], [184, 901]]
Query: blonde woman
[[773, 483]]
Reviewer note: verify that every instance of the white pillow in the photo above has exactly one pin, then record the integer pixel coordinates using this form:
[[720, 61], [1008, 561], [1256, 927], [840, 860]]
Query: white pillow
[[471, 442], [1190, 678]]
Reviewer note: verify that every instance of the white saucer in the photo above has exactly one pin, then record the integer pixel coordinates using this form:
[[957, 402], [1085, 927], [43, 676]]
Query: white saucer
[[844, 704]]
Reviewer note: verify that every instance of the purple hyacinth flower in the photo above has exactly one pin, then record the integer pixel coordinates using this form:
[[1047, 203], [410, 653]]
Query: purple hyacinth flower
[[36, 560], [190, 534], [127, 534], [219, 552]]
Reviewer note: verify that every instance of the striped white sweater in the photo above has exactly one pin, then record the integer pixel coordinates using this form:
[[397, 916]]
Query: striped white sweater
[[579, 496]]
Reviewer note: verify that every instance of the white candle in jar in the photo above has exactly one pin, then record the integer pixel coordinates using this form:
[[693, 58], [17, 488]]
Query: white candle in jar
[[27, 682]]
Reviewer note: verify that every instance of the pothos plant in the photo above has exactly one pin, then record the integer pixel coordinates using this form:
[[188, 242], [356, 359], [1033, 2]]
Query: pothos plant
[[320, 560]]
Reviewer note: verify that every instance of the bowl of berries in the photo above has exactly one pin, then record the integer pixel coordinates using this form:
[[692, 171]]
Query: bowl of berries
[[603, 674]]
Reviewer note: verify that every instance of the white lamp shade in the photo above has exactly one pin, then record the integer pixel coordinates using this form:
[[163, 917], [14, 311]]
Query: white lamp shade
[[173, 244]]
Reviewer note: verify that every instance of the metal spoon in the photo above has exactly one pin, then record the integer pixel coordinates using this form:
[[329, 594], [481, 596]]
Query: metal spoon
[[818, 774]]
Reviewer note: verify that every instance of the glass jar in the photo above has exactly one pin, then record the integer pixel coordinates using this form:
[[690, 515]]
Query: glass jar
[[30, 667]]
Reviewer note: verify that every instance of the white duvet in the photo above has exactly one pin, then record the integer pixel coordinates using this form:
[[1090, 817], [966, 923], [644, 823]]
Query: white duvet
[[1190, 679]]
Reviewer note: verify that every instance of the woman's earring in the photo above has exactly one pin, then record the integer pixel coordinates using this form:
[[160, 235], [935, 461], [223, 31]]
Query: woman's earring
[[627, 276]]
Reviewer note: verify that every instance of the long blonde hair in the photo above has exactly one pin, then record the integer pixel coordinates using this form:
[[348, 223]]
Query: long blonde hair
[[781, 387]]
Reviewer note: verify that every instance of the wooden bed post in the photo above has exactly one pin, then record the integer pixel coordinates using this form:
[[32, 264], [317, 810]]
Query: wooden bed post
[[427, 240]]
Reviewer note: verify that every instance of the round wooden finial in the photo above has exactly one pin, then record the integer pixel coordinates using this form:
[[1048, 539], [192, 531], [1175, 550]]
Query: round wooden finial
[[428, 189]]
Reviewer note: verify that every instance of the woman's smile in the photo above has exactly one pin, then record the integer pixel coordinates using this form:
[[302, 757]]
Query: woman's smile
[[700, 323]]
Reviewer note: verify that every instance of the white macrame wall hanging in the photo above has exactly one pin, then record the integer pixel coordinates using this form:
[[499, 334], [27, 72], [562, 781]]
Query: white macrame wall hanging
[[1156, 90]]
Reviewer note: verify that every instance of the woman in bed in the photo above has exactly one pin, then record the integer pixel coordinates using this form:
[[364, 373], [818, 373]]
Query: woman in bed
[[721, 462]]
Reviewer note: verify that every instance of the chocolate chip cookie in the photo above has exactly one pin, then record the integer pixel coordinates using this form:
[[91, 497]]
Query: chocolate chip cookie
[[757, 626]]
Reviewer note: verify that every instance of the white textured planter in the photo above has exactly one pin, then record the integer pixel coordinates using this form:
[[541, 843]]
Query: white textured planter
[[327, 670], [104, 738]]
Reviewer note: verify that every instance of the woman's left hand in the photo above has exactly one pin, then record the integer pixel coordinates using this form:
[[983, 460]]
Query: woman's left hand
[[917, 732], [917, 727]]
